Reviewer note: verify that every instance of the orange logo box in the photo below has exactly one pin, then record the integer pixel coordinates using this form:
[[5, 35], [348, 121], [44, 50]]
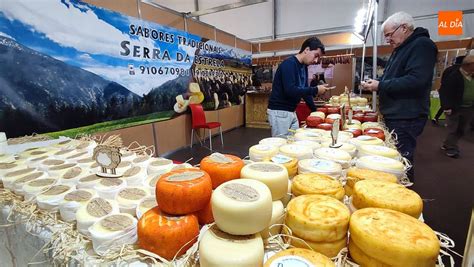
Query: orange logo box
[[450, 22]]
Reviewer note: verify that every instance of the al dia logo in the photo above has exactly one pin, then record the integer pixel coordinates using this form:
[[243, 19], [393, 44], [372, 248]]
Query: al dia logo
[[450, 22]]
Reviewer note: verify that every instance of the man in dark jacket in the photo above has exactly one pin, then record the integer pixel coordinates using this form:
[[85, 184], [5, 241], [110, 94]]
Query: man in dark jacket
[[290, 84], [404, 88], [457, 100]]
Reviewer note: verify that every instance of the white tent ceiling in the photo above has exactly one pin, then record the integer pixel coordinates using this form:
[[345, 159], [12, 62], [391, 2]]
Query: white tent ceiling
[[302, 17]]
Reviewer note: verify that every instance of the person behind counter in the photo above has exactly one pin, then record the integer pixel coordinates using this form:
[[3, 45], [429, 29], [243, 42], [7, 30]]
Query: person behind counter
[[405, 86], [290, 85]]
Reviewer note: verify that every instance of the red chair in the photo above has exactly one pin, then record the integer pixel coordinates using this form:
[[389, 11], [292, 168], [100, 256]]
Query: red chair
[[199, 122], [302, 112]]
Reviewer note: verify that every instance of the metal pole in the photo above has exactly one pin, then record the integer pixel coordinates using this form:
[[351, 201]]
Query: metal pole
[[374, 53], [362, 66]]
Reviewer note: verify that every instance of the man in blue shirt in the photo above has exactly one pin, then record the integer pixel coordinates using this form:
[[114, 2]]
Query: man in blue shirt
[[290, 84]]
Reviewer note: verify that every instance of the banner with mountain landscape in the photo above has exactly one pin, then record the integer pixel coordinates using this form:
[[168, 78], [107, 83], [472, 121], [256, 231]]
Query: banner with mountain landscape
[[66, 64]]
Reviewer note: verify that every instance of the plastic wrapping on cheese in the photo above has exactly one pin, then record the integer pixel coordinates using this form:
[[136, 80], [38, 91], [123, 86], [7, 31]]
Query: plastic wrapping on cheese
[[273, 175], [297, 151], [135, 176], [128, 199], [145, 205], [218, 248], [59, 170], [50, 199], [73, 175], [262, 152], [142, 161], [159, 166], [18, 183], [384, 164], [318, 218], [72, 201], [378, 194], [393, 238], [48, 163], [273, 141], [377, 150], [93, 211], [108, 188], [35, 187], [113, 230], [314, 183], [298, 257], [9, 178], [88, 182], [242, 206], [337, 155], [322, 166]]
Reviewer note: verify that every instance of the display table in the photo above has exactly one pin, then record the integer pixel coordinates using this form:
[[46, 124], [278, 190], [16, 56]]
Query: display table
[[256, 104]]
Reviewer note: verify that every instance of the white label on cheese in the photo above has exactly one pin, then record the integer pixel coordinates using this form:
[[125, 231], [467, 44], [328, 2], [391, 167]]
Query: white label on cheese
[[132, 193], [281, 159], [185, 176], [110, 182], [132, 171], [263, 167], [72, 173], [240, 192], [99, 207], [220, 158], [291, 261], [79, 195]]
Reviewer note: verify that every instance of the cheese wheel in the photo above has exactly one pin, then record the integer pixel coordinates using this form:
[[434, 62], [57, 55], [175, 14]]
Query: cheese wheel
[[353, 126], [35, 162], [73, 175], [72, 201], [205, 215], [128, 199], [181, 166], [349, 148], [242, 206], [10, 167], [37, 152], [370, 124], [366, 140], [297, 151], [361, 258], [337, 155], [183, 191], [10, 177], [291, 164], [394, 238], [375, 150], [127, 155], [311, 144], [318, 218], [384, 164], [314, 183], [311, 135], [165, 235], [218, 248], [35, 187], [77, 156], [318, 114], [278, 218], [357, 174], [59, 170], [92, 211], [86, 164], [273, 141], [18, 183], [113, 230], [321, 166], [221, 168], [328, 249], [108, 188], [135, 176], [142, 161], [262, 152], [159, 166], [50, 199], [86, 146], [377, 194], [123, 167], [354, 122], [63, 154], [150, 183], [6, 158], [89, 181], [273, 175], [48, 163], [145, 205], [65, 144], [298, 257]]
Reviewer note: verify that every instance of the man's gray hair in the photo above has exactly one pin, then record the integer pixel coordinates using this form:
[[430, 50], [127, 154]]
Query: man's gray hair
[[400, 18]]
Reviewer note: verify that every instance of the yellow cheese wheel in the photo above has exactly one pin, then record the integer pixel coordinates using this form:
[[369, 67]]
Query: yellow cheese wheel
[[348, 190], [377, 150], [394, 238], [298, 257], [377, 194], [314, 183], [384, 164], [273, 175], [262, 152], [357, 174], [361, 258], [291, 164], [318, 218], [297, 151], [329, 249]]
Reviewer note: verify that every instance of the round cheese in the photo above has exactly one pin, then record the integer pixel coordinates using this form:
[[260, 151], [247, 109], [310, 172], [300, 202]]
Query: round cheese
[[159, 166], [113, 230], [65, 144], [357, 174], [349, 148], [48, 163], [145, 205], [73, 175], [91, 212], [337, 155], [275, 176], [242, 206], [63, 154], [278, 218], [291, 164], [165, 235], [10, 167], [361, 258], [129, 198], [218, 248], [314, 183], [35, 162], [297, 151], [77, 156], [181, 166], [375, 150], [205, 215], [377, 194], [86, 164], [18, 183], [318, 114], [6, 158], [394, 238], [86, 146], [150, 183], [354, 122], [328, 249], [318, 218], [88, 182], [50, 199], [10, 177], [321, 166], [262, 152], [108, 188], [183, 191], [273, 141], [221, 168], [72, 201], [142, 161], [366, 140], [127, 155], [384, 164], [353, 126], [370, 124], [310, 136], [59, 170], [298, 257], [311, 144], [135, 176], [123, 167], [35, 187]]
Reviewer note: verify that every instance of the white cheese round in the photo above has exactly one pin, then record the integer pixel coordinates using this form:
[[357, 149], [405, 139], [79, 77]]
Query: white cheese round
[[376, 150], [273, 141], [159, 166], [128, 199], [91, 212], [142, 161], [73, 175], [278, 218], [108, 188], [135, 176], [262, 152], [88, 182], [18, 183], [60, 170], [383, 164], [10, 177], [35, 187], [297, 151], [50, 199], [49, 162], [322, 166], [273, 175], [349, 148], [337, 155], [72, 201], [145, 205]]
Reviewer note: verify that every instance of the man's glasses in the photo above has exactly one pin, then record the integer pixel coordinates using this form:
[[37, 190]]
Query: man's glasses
[[389, 34]]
